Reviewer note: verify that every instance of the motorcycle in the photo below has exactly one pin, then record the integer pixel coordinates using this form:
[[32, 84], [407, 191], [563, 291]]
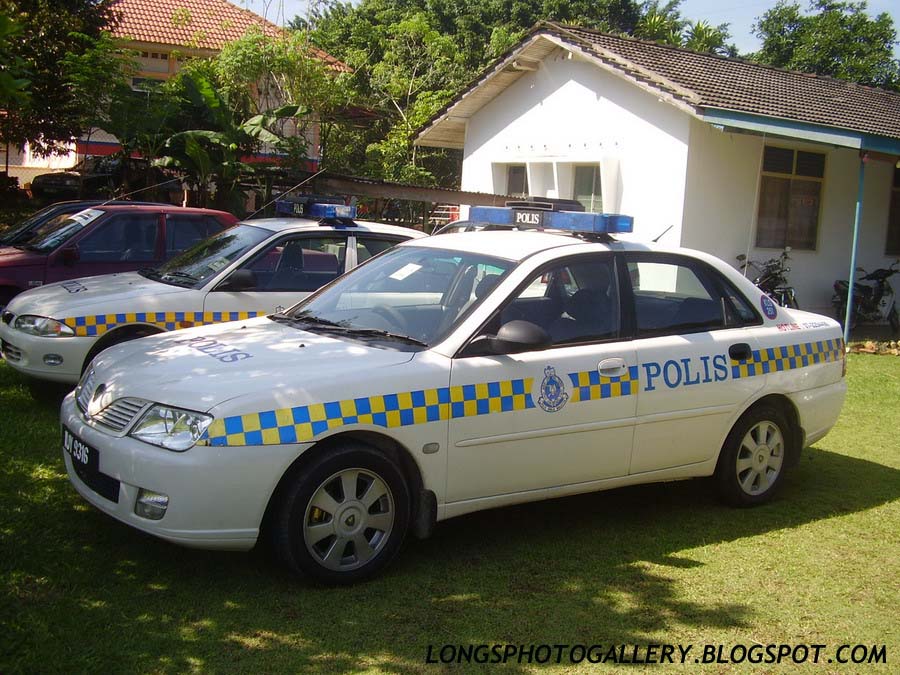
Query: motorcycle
[[871, 302], [771, 278]]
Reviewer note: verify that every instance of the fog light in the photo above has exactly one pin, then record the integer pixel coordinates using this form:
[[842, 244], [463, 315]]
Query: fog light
[[53, 359], [151, 505]]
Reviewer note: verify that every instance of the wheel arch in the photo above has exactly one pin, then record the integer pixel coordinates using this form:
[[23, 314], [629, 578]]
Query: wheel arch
[[383, 443], [783, 403], [130, 331]]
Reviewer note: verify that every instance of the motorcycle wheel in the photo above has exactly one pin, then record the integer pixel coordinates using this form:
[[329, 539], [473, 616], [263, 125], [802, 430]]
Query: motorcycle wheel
[[894, 320]]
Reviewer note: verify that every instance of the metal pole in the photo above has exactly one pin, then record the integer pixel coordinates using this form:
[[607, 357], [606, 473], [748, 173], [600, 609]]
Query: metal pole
[[859, 203]]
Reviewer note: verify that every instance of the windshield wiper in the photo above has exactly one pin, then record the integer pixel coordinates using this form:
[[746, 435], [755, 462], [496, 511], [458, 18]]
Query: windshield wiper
[[149, 272], [181, 275], [377, 332], [307, 318]]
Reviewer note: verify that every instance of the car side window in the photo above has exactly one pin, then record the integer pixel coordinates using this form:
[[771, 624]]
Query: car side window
[[299, 264], [673, 296], [367, 247], [126, 238], [183, 231], [574, 301]]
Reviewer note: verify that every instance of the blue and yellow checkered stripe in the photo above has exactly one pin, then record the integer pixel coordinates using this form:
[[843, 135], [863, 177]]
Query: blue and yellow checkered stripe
[[98, 324], [590, 385], [788, 357], [304, 423]]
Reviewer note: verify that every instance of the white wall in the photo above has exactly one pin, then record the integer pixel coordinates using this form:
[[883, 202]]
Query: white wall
[[721, 202], [568, 111]]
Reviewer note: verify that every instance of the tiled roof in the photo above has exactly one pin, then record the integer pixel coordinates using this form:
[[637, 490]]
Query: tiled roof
[[744, 86], [701, 83], [197, 24]]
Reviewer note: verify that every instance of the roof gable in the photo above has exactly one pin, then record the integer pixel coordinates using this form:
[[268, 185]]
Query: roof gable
[[695, 82], [194, 24]]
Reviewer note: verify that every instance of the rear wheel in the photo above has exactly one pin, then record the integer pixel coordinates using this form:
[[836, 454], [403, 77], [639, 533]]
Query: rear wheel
[[344, 517], [751, 464]]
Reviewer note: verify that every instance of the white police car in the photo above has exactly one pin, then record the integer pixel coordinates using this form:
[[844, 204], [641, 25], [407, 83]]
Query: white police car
[[452, 374], [54, 331]]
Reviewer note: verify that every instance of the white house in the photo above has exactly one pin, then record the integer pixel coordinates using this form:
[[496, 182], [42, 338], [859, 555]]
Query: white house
[[722, 155]]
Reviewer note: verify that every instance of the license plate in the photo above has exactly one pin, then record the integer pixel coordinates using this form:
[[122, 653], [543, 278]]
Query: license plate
[[86, 462], [83, 456]]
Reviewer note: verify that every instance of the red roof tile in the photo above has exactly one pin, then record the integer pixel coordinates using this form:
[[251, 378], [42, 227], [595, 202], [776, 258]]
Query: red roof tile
[[197, 24]]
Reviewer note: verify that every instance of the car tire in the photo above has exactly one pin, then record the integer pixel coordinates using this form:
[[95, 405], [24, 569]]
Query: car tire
[[343, 517], [753, 459]]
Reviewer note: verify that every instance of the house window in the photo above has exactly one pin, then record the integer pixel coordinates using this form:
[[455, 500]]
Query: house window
[[516, 180], [789, 198], [892, 247], [587, 187]]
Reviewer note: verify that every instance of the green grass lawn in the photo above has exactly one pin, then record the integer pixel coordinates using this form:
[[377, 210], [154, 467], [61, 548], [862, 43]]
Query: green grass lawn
[[663, 563]]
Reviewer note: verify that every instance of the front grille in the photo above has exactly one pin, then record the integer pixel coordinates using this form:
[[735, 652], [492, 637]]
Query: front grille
[[120, 413], [85, 391], [11, 353]]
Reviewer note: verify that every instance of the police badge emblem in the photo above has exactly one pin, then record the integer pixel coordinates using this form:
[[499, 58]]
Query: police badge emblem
[[553, 391]]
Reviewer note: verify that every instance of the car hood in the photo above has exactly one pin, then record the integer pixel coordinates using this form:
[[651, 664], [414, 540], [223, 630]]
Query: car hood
[[106, 293], [16, 257], [201, 368]]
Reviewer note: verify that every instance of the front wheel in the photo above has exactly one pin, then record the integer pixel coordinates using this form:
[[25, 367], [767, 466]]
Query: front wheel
[[751, 464], [343, 518], [840, 313]]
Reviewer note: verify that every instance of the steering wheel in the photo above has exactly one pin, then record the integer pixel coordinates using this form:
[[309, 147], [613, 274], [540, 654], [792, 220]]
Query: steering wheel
[[393, 315]]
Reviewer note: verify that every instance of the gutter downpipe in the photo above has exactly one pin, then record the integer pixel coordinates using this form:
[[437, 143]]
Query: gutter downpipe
[[863, 157]]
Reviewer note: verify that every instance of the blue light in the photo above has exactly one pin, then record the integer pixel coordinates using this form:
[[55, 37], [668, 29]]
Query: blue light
[[290, 207], [569, 221]]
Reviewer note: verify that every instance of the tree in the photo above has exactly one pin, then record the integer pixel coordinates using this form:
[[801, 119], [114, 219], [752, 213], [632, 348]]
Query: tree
[[51, 30], [663, 23], [837, 38], [13, 72]]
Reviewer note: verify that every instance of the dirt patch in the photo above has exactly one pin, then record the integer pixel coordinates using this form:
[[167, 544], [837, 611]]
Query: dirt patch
[[890, 348]]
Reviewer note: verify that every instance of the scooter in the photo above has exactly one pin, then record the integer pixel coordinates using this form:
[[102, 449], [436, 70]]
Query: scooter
[[771, 278], [871, 302]]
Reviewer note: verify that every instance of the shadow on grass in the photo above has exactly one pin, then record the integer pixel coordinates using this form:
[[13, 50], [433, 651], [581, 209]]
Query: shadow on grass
[[576, 570]]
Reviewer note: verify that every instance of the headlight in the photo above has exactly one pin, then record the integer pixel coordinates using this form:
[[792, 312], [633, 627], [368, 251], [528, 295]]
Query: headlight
[[171, 428], [42, 326]]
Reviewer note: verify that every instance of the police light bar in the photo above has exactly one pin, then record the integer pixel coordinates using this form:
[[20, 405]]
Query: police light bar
[[568, 221], [304, 207]]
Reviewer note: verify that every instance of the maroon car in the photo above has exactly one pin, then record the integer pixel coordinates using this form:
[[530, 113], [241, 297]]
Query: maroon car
[[102, 240]]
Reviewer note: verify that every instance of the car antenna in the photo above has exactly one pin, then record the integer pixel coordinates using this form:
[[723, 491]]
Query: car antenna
[[134, 192], [659, 236], [301, 183]]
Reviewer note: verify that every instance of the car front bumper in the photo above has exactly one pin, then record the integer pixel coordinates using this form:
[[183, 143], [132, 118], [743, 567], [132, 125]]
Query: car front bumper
[[27, 353], [217, 495]]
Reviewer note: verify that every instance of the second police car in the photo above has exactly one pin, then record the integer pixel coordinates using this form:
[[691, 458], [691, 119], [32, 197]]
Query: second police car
[[452, 374], [53, 332]]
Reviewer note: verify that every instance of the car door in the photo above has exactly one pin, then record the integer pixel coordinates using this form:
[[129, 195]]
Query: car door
[[121, 242], [281, 274], [568, 408], [692, 327]]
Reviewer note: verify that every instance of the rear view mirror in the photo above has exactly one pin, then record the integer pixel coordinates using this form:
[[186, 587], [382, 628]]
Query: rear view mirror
[[239, 280], [69, 255]]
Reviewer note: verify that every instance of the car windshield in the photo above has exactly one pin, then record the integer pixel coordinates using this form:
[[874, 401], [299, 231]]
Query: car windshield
[[15, 232], [409, 295], [57, 231], [206, 259]]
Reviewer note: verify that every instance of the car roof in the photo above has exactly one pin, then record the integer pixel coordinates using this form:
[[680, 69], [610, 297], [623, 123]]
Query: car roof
[[312, 225], [509, 244], [165, 208]]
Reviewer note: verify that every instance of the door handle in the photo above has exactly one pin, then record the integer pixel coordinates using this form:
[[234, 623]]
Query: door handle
[[740, 351], [614, 367]]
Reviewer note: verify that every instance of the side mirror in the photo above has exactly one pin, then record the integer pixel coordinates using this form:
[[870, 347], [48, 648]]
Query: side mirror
[[512, 338], [787, 249], [239, 280], [741, 258], [69, 255]]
